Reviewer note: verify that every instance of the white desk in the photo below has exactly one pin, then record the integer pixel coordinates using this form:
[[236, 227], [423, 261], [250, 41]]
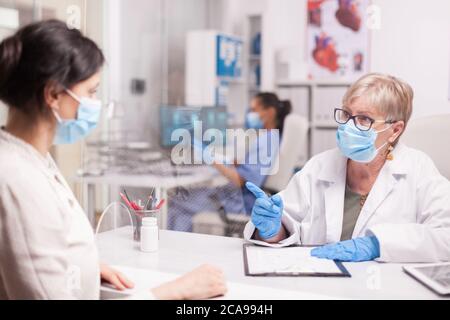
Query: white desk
[[162, 184], [182, 252]]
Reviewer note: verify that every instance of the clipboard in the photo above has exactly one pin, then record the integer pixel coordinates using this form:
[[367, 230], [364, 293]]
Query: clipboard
[[343, 272]]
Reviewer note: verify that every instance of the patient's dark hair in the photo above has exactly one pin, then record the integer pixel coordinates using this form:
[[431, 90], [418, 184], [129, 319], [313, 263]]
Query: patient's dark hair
[[42, 54], [283, 108]]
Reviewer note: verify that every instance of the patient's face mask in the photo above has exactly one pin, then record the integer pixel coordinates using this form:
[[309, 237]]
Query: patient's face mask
[[359, 145], [88, 116]]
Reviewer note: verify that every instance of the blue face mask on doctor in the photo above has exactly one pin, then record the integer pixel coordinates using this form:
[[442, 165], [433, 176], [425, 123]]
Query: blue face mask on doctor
[[358, 145], [88, 116]]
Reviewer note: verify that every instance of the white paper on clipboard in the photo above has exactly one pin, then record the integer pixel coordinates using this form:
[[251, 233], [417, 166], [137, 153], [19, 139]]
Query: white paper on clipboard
[[291, 260]]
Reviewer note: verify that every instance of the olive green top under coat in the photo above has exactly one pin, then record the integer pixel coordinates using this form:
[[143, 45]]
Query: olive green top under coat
[[352, 210]]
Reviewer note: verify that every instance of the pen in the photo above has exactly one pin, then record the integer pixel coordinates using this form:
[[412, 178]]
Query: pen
[[150, 200], [126, 194], [131, 204], [154, 202], [153, 192], [136, 206], [148, 203], [160, 205], [125, 199]]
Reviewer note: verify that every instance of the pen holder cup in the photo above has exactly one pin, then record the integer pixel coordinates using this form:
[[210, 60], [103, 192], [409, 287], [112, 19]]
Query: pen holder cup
[[138, 216]]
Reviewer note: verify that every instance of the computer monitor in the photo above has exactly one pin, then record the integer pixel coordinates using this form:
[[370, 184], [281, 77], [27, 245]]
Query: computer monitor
[[173, 118]]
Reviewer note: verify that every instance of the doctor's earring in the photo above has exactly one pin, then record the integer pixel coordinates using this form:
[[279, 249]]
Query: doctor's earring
[[390, 155]]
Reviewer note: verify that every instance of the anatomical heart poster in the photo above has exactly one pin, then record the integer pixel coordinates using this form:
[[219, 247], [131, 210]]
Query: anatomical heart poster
[[338, 39]]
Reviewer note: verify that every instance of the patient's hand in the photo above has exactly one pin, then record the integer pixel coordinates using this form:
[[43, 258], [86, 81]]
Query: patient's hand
[[115, 278], [203, 283]]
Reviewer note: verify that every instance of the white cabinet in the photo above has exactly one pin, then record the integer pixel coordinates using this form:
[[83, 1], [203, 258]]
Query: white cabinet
[[213, 61]]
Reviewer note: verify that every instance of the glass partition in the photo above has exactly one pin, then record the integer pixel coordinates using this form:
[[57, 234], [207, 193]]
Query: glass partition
[[145, 45]]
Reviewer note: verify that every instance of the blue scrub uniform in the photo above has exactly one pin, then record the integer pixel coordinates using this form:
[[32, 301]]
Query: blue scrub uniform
[[234, 200]]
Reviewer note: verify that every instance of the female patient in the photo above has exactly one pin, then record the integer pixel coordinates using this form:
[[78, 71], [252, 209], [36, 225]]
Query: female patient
[[49, 76]]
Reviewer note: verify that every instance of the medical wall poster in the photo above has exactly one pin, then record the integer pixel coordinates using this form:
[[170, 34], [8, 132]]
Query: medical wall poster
[[338, 39]]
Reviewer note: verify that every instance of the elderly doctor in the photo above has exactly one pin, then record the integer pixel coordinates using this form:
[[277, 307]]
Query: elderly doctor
[[372, 198]]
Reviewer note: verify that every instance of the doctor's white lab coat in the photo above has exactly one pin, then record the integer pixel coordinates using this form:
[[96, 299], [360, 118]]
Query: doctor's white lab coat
[[408, 209]]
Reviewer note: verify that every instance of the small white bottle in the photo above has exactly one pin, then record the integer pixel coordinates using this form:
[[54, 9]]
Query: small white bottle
[[149, 235]]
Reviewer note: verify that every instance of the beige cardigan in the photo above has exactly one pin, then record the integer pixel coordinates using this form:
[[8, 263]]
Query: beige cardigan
[[47, 247]]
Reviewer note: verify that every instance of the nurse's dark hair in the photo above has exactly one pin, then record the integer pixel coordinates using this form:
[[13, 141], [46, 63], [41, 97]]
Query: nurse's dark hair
[[42, 54], [282, 107]]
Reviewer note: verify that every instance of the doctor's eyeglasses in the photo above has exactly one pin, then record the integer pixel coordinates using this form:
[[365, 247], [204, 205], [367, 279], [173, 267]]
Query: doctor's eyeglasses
[[363, 123]]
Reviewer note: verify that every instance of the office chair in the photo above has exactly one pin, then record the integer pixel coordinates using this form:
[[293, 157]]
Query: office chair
[[293, 150]]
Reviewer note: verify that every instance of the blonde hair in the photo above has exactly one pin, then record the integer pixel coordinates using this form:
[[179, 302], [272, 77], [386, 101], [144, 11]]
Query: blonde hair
[[391, 96]]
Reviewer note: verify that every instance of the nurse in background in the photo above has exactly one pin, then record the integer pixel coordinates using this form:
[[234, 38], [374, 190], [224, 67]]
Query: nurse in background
[[267, 112], [49, 76]]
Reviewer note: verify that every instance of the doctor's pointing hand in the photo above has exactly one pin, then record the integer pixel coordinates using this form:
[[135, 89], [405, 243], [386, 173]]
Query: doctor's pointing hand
[[267, 215], [372, 198]]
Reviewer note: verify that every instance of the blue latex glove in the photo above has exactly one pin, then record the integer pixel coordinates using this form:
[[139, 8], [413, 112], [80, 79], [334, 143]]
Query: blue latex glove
[[356, 250], [267, 212]]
